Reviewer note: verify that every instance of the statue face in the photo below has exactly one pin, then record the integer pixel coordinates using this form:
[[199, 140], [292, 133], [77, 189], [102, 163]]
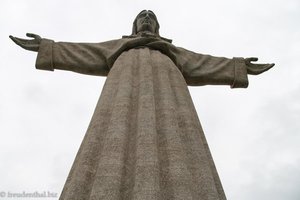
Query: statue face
[[146, 21]]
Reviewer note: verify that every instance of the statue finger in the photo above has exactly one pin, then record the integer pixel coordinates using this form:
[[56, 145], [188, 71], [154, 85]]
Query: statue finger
[[256, 69], [12, 37], [21, 40], [253, 59], [269, 66], [32, 35], [15, 39], [250, 59], [265, 67]]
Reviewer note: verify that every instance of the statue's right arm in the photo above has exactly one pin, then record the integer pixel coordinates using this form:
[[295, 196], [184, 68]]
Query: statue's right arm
[[85, 58]]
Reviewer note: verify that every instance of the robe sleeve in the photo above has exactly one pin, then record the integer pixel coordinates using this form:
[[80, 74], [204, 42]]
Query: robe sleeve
[[85, 58], [199, 69]]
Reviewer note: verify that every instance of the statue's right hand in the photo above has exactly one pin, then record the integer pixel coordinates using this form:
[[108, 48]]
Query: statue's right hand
[[31, 45]]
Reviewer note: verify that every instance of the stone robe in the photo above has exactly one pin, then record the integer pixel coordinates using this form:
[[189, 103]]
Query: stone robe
[[144, 140]]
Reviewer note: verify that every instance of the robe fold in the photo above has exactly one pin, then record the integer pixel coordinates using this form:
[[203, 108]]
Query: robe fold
[[144, 140]]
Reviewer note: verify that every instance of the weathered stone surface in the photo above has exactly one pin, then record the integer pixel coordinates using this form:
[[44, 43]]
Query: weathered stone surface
[[145, 140]]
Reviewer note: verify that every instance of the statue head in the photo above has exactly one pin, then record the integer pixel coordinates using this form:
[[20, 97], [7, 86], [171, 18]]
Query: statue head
[[145, 21]]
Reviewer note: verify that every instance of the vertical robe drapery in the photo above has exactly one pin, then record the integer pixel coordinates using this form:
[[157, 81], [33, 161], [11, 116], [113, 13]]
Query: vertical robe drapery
[[144, 140]]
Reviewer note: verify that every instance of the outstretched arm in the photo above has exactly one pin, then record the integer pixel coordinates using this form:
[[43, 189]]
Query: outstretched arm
[[199, 69], [86, 58]]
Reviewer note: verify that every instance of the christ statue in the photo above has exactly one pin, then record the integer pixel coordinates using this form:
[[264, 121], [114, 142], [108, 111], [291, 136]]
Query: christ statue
[[144, 140]]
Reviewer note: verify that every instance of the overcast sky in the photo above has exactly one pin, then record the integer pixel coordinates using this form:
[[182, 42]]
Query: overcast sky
[[253, 133]]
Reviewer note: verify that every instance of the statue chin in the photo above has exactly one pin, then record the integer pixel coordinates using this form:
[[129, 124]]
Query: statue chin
[[146, 28]]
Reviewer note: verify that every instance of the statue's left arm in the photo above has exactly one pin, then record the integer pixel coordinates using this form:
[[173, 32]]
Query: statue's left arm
[[199, 69]]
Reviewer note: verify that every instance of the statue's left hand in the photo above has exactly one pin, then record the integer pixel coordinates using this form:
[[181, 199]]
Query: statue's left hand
[[255, 69]]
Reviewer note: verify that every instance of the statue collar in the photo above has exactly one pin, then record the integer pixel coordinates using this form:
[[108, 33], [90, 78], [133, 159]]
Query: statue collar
[[147, 34]]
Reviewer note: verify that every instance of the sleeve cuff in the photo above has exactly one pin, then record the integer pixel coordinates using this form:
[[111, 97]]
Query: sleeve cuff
[[44, 59], [240, 74]]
